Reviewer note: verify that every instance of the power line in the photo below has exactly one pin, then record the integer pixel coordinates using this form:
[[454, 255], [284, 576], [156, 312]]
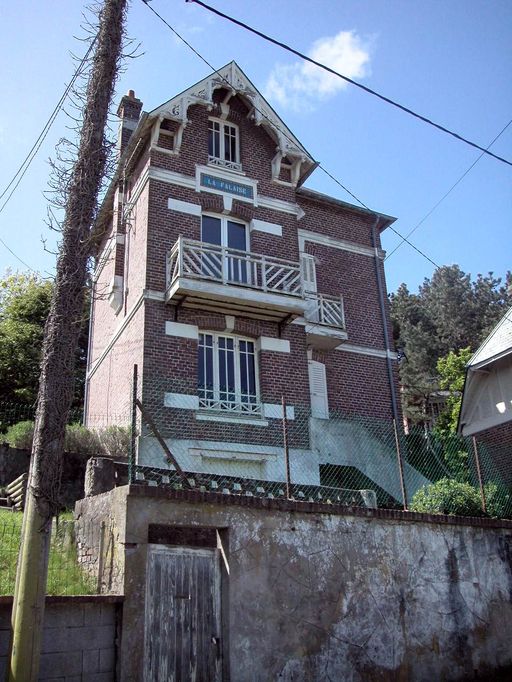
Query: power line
[[427, 215], [20, 173], [350, 80], [390, 227], [44, 132], [146, 2]]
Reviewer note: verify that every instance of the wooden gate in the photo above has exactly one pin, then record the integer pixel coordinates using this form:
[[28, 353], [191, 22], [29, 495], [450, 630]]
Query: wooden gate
[[182, 630]]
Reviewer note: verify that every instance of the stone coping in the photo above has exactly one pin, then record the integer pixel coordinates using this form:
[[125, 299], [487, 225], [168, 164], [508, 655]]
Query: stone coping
[[196, 496], [73, 599]]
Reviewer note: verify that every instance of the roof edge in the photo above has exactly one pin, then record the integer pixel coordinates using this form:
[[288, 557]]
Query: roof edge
[[327, 199]]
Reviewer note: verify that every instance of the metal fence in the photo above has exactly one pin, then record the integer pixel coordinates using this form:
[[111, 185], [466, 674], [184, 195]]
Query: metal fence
[[12, 413], [83, 558], [173, 436], [286, 451]]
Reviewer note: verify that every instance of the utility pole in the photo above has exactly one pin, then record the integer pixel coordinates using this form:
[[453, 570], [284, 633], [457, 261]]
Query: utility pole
[[59, 348]]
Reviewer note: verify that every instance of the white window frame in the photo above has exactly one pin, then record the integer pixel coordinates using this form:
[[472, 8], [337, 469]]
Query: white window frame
[[222, 406], [224, 245], [224, 219], [221, 160]]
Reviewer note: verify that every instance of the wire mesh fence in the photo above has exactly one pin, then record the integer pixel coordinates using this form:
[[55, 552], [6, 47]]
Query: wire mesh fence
[[12, 413], [280, 450], [82, 560]]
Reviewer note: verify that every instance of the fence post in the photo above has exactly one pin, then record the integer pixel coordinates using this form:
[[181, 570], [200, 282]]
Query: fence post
[[133, 439], [101, 550], [400, 465], [479, 474], [286, 451]]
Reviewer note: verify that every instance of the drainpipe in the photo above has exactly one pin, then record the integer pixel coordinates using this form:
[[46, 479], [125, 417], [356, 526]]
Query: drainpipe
[[380, 289], [89, 349]]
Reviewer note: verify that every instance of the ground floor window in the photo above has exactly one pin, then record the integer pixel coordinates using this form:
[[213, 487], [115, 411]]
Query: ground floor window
[[227, 374]]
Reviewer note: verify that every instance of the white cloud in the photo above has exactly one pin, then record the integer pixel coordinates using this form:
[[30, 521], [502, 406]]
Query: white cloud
[[301, 85]]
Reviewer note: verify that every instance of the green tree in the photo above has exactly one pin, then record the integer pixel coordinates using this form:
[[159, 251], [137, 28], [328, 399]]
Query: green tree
[[452, 372], [450, 312], [24, 305]]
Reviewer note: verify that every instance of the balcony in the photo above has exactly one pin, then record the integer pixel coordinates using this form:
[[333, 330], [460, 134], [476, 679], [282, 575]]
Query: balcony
[[201, 275], [325, 320]]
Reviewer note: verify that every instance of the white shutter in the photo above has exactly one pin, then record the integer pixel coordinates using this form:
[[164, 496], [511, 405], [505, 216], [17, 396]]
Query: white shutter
[[308, 272], [318, 390]]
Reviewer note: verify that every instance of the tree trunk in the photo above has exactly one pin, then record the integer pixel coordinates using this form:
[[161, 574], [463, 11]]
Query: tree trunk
[[60, 347]]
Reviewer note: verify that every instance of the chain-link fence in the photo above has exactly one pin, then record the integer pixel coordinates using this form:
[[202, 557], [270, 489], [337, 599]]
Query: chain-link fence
[[12, 413], [235, 446], [82, 556]]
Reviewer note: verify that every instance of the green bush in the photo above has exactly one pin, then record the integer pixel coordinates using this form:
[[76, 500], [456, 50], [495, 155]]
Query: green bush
[[448, 496], [20, 435], [81, 439], [498, 501], [115, 440]]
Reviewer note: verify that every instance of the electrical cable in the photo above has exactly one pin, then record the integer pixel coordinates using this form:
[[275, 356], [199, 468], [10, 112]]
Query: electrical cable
[[429, 213], [35, 148], [146, 2], [46, 128], [350, 80]]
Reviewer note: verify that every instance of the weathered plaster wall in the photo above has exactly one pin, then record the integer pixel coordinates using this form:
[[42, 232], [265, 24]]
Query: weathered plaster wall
[[337, 596]]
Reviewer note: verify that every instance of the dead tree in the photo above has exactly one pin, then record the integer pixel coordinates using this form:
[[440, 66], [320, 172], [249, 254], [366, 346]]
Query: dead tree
[[60, 344]]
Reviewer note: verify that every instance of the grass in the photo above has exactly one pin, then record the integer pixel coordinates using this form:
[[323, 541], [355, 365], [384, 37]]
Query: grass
[[65, 575]]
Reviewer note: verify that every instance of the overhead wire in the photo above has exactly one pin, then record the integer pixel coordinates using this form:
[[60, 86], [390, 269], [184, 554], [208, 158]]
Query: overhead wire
[[388, 100], [196, 52], [25, 165], [446, 194]]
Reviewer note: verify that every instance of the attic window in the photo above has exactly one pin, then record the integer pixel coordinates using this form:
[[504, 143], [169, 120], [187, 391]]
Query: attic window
[[166, 134], [223, 144]]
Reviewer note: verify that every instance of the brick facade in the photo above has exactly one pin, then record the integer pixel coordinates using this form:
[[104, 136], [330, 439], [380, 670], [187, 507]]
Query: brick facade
[[130, 311]]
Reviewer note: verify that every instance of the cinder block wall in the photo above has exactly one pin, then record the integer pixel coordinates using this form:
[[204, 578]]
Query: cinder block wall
[[79, 642]]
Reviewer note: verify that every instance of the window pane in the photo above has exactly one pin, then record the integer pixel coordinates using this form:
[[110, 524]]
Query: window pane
[[237, 264], [214, 139], [205, 367], [211, 230], [247, 372], [229, 143], [236, 236]]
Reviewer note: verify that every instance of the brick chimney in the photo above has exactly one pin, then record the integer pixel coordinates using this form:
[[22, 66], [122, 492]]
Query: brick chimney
[[128, 111]]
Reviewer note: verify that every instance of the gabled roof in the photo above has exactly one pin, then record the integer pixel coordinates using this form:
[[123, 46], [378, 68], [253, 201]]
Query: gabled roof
[[496, 345], [486, 397], [231, 77]]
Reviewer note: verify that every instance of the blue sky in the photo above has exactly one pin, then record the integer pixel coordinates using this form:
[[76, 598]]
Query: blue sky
[[450, 61]]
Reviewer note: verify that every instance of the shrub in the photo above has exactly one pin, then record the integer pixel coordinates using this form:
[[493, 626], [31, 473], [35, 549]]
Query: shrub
[[115, 440], [498, 501], [20, 435], [81, 439], [448, 496]]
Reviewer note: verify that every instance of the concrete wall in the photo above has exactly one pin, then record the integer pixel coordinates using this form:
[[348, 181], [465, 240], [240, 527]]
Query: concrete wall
[[79, 642], [14, 462], [319, 593]]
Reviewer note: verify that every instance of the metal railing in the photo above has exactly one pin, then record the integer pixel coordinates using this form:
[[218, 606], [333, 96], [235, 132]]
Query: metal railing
[[199, 260], [238, 407], [224, 163], [325, 309]]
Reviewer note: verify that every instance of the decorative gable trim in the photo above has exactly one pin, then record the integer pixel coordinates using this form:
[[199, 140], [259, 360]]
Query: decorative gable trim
[[232, 78]]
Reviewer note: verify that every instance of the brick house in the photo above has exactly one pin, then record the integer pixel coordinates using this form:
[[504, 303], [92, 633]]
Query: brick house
[[232, 286]]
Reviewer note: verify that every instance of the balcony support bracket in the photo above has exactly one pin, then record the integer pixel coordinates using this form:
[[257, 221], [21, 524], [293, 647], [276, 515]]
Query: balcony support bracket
[[177, 306], [283, 324]]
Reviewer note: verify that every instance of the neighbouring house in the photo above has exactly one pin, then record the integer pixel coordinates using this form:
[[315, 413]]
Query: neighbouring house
[[486, 409], [231, 286]]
